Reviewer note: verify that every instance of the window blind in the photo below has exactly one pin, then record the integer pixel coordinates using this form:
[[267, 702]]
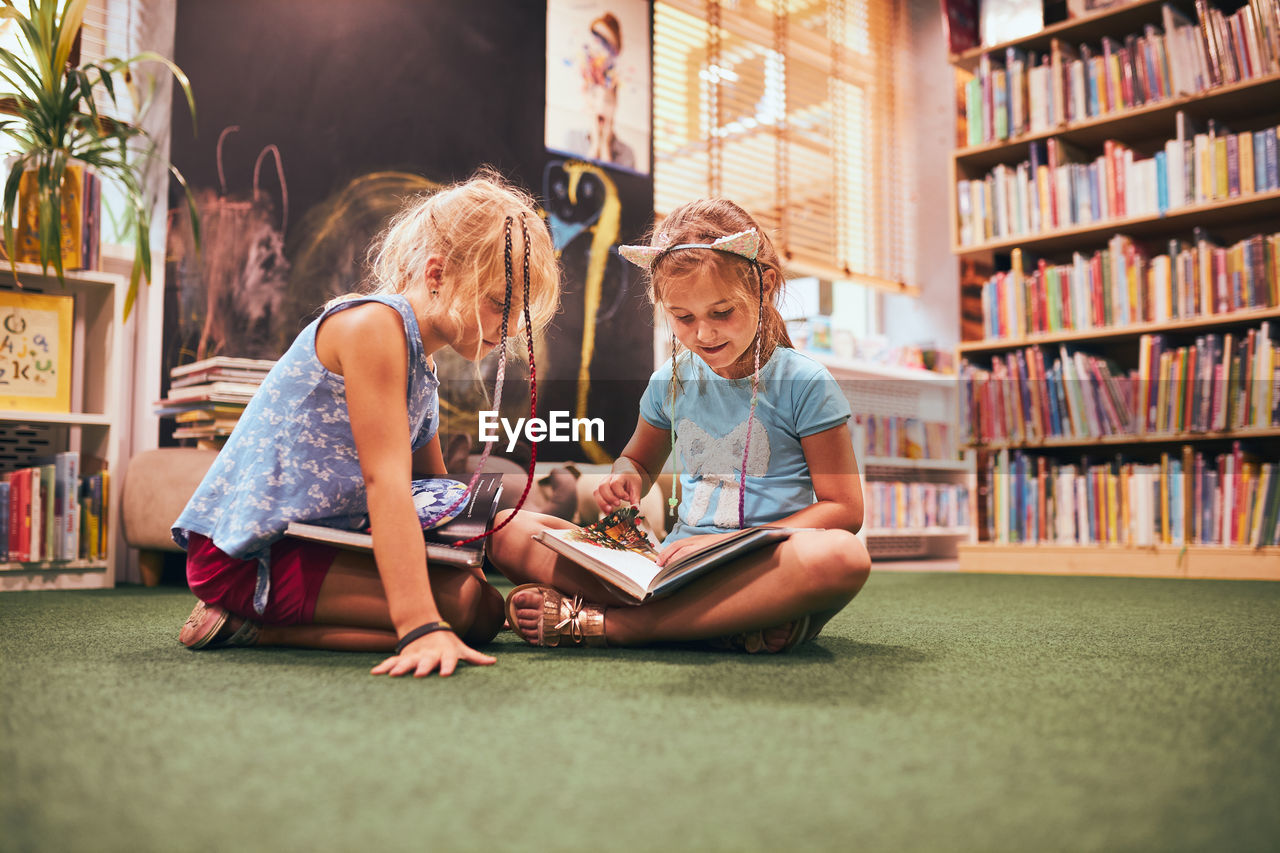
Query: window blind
[[791, 108]]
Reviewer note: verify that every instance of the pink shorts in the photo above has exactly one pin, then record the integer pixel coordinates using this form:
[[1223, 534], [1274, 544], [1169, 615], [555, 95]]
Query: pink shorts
[[297, 570]]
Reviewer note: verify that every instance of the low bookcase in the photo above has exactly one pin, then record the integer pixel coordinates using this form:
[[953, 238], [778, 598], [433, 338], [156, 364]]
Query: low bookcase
[[87, 422]]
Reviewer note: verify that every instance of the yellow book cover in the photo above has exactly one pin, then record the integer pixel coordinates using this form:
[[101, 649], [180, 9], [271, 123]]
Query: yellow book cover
[[1244, 512], [1220, 182], [88, 530], [72, 202], [1165, 530], [35, 351], [1113, 508], [1274, 272], [1162, 392], [104, 526], [1126, 473]]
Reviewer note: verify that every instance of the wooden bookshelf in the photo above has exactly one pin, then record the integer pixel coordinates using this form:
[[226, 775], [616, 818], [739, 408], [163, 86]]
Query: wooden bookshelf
[[1122, 18], [1225, 103], [1133, 439], [92, 427], [1253, 208], [1246, 105], [1132, 331], [1204, 562]]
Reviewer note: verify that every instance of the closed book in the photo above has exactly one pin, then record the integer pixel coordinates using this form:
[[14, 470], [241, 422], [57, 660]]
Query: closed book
[[449, 519], [67, 465]]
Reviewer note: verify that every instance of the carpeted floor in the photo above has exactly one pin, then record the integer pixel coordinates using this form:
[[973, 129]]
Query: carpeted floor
[[938, 712]]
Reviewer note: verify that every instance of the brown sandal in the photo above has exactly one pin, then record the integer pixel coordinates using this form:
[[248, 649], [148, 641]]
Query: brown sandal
[[752, 642], [565, 621]]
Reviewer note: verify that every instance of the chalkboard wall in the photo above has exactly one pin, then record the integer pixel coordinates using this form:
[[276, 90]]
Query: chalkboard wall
[[366, 102]]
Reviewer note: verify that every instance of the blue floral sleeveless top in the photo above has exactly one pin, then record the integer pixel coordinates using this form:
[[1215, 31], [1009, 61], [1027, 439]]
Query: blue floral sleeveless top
[[292, 457]]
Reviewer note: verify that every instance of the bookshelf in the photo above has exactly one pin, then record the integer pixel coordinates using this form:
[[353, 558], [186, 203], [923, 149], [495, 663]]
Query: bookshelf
[[92, 427], [922, 523], [1104, 207]]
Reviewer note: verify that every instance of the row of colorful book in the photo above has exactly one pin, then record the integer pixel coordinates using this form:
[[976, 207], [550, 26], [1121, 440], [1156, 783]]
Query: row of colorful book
[[1221, 381], [902, 438], [207, 397], [1036, 91], [1186, 498], [49, 512], [904, 507], [1061, 185], [1123, 284]]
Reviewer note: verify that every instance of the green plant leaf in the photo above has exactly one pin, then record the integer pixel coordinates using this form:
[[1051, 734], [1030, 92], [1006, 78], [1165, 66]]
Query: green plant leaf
[[69, 26]]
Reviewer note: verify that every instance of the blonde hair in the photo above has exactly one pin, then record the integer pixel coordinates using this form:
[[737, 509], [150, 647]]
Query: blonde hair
[[466, 224], [704, 221]]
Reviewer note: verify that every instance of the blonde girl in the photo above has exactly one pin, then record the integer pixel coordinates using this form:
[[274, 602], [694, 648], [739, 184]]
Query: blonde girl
[[343, 422], [759, 435]]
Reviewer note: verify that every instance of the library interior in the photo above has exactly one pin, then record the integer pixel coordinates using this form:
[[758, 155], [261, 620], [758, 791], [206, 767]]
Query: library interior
[[1007, 283]]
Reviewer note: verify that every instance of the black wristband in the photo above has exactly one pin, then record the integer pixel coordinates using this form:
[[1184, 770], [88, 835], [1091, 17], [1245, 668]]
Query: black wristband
[[422, 631]]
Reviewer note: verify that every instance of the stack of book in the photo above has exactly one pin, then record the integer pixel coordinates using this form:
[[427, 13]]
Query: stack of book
[[206, 398], [50, 513]]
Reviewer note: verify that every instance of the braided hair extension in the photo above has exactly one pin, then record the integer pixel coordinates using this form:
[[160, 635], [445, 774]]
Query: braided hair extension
[[498, 383], [755, 395], [673, 501]]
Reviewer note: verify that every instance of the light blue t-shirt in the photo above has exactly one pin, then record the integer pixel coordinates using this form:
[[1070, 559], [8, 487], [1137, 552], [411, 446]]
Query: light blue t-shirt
[[797, 398], [292, 456]]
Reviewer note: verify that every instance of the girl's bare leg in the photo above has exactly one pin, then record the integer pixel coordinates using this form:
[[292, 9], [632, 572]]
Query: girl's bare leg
[[522, 560], [352, 613], [813, 573]]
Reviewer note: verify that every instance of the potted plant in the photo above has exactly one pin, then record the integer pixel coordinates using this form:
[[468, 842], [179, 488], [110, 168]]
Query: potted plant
[[48, 107]]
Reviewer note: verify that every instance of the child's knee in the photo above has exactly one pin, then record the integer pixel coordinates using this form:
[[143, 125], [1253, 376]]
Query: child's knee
[[504, 543], [483, 603], [837, 561]]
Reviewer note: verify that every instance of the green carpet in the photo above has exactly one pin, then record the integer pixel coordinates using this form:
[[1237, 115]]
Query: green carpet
[[937, 712]]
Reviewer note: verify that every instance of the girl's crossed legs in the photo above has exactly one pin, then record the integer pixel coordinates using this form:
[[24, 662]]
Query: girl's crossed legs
[[814, 573], [326, 598]]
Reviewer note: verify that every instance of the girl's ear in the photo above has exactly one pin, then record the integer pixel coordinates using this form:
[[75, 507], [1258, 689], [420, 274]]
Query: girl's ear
[[434, 273]]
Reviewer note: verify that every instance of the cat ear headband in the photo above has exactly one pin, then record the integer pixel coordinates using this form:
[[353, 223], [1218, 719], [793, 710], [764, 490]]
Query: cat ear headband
[[745, 244]]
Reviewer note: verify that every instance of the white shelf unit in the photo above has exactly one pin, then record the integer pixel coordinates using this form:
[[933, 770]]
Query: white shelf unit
[[92, 427], [892, 391]]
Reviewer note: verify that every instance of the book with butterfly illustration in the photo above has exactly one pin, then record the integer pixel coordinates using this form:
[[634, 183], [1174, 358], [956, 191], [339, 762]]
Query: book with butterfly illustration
[[623, 554], [443, 536]]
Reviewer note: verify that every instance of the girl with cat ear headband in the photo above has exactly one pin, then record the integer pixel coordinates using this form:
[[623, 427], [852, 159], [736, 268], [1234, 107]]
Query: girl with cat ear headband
[[757, 434]]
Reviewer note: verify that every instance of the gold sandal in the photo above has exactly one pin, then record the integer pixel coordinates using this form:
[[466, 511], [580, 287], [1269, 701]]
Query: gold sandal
[[752, 642], [565, 620]]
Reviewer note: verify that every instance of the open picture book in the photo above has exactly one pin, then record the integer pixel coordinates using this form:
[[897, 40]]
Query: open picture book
[[622, 554], [472, 517]]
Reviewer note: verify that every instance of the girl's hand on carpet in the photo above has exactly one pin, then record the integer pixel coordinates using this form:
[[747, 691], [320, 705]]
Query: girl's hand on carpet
[[438, 651], [687, 546]]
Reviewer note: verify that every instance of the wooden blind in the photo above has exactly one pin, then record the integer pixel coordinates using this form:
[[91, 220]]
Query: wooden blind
[[791, 109]]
